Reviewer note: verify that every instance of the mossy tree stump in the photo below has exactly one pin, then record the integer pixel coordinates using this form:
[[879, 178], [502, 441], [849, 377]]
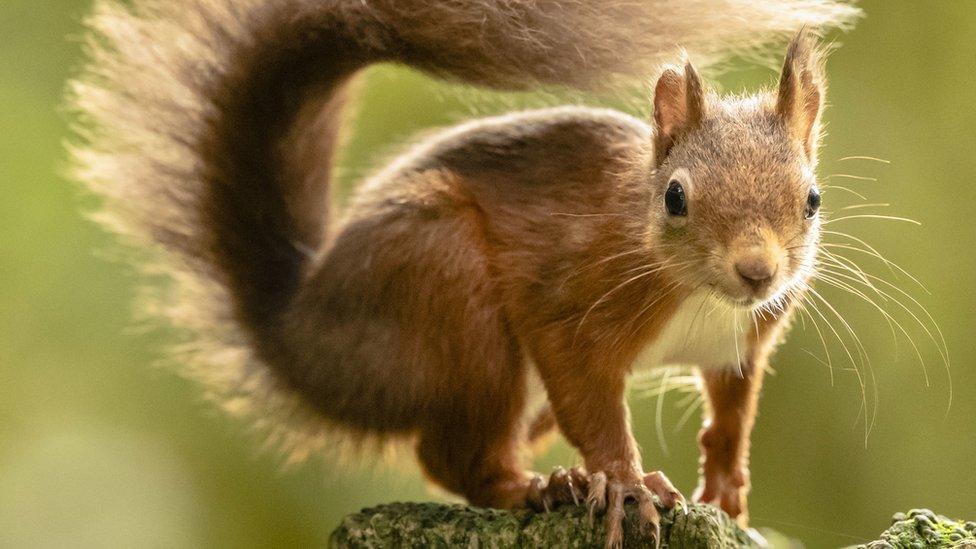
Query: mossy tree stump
[[441, 525]]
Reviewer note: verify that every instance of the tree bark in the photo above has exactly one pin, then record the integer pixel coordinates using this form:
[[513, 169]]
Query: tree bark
[[439, 525]]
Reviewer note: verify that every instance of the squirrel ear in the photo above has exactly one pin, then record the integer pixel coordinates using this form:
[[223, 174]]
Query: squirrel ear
[[802, 88], [679, 106]]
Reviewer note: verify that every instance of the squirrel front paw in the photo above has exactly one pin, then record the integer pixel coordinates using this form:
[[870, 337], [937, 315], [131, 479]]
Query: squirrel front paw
[[605, 495], [726, 489], [608, 494], [724, 476]]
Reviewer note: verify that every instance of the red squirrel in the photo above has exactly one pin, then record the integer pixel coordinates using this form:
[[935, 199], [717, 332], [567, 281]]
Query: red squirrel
[[563, 244]]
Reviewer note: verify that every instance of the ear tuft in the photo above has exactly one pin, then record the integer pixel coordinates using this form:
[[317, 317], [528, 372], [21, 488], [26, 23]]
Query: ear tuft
[[679, 106], [802, 89]]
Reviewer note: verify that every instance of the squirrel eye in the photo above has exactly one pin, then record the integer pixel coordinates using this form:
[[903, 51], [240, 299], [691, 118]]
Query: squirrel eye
[[813, 203], [674, 199]]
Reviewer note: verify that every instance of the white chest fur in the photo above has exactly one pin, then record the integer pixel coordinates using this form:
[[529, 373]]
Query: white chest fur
[[704, 332]]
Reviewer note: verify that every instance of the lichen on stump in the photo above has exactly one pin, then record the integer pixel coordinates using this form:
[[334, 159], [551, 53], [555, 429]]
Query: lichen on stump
[[921, 529], [440, 525]]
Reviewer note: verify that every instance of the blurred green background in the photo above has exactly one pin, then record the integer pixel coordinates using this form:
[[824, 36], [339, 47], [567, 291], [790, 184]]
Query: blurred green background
[[99, 448]]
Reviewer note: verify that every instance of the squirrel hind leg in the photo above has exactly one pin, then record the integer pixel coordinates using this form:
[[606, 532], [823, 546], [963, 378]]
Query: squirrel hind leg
[[495, 477], [480, 457], [477, 458], [476, 445]]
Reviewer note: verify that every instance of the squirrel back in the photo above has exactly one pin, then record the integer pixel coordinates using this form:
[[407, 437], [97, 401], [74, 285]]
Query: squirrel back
[[209, 127]]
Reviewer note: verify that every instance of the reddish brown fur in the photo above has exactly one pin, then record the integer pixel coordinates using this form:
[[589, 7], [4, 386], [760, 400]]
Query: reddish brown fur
[[500, 246]]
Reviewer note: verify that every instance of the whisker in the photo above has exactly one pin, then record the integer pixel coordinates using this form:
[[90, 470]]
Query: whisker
[[602, 261], [892, 266], [844, 263], [859, 206], [683, 383], [847, 351], [679, 383], [611, 291], [944, 347], [849, 176], [922, 308], [892, 322], [822, 275], [692, 386], [694, 319], [881, 160], [567, 214], [940, 343], [874, 216], [689, 410], [845, 189], [659, 413], [861, 351], [814, 356], [843, 342], [735, 340], [660, 265], [668, 290], [801, 304]]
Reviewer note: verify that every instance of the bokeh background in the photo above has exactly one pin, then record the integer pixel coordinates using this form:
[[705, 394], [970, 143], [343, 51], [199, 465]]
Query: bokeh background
[[99, 448]]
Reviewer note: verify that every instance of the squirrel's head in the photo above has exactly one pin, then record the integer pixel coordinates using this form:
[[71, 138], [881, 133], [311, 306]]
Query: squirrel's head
[[735, 198]]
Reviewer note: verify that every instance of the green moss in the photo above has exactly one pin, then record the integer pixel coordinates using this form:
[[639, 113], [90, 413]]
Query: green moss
[[438, 525], [921, 529]]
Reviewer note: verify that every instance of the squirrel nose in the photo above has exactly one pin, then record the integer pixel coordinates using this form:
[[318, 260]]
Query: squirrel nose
[[756, 271]]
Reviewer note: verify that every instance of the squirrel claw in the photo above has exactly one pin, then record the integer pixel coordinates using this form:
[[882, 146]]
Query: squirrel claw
[[606, 496], [664, 490], [562, 488], [596, 497], [611, 494]]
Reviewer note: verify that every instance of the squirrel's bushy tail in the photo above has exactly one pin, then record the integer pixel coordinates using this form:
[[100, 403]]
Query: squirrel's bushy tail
[[208, 128]]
